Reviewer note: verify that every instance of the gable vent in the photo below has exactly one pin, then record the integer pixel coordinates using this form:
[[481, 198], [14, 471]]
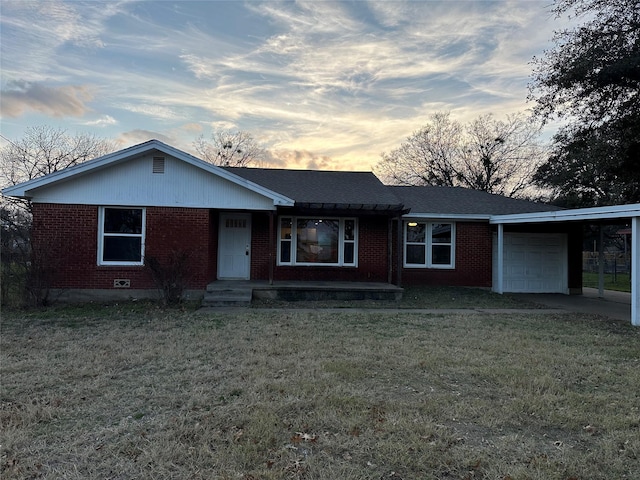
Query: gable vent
[[158, 164]]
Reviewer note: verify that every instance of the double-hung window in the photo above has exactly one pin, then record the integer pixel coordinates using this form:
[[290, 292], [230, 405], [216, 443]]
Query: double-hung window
[[429, 245], [317, 241], [121, 236]]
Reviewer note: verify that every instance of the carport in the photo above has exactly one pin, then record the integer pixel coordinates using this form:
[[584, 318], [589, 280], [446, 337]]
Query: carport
[[532, 249]]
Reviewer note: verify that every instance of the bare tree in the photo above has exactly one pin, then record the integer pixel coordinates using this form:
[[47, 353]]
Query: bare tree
[[229, 148], [42, 150], [501, 156], [486, 154], [427, 157]]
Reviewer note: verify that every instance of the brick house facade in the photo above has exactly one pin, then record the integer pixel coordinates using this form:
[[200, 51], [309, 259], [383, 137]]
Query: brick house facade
[[96, 223]]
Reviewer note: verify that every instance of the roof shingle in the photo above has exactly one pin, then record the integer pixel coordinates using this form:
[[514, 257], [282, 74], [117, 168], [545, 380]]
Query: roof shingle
[[463, 201], [363, 190], [316, 187]]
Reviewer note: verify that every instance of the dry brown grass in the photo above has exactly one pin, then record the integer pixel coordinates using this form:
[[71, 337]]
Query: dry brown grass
[[128, 392]]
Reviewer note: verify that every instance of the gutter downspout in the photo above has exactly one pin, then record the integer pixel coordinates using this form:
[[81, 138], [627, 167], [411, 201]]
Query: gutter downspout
[[499, 287], [399, 249], [390, 250]]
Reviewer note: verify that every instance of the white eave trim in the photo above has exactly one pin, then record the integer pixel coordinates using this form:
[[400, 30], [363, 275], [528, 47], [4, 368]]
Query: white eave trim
[[577, 214], [23, 189], [448, 216]]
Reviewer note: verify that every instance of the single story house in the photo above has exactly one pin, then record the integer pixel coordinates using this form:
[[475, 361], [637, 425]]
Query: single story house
[[98, 221]]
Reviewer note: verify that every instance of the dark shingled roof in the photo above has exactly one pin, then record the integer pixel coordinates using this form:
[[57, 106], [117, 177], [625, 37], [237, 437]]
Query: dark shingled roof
[[320, 189], [463, 201], [324, 189]]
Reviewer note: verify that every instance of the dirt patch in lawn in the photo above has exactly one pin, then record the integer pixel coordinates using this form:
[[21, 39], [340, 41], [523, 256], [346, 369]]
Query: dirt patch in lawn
[[126, 392]]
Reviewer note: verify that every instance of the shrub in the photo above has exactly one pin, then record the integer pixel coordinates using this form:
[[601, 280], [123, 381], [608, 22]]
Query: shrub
[[171, 275]]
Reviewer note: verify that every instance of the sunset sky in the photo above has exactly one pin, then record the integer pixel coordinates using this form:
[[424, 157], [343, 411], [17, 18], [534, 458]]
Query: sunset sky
[[323, 84]]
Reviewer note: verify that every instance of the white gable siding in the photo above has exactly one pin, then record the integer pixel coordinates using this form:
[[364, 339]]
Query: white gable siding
[[134, 183]]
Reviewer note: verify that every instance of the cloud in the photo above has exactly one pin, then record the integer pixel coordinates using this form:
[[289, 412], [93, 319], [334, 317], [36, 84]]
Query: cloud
[[324, 63], [134, 137], [299, 159], [332, 83], [35, 34], [20, 96], [66, 24], [103, 121], [192, 127], [150, 110]]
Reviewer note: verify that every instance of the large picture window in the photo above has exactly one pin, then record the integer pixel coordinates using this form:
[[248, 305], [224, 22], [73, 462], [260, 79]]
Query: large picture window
[[317, 241], [121, 236], [429, 245]]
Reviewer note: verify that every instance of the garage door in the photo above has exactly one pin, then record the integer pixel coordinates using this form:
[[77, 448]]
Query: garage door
[[534, 263]]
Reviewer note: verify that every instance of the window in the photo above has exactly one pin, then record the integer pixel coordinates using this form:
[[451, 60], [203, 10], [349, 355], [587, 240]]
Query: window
[[317, 241], [429, 245], [121, 236]]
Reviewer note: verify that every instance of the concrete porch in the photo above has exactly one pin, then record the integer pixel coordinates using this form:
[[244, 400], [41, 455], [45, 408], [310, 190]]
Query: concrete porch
[[225, 293]]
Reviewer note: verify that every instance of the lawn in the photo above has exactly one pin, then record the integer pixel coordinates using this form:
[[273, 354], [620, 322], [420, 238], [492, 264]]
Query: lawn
[[416, 297], [619, 281], [134, 391]]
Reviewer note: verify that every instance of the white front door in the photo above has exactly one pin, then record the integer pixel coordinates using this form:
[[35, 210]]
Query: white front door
[[234, 246]]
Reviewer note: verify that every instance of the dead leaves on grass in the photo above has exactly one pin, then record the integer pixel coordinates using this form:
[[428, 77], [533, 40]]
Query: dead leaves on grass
[[300, 437]]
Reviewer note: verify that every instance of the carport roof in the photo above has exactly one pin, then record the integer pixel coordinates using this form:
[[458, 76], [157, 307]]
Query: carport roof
[[629, 212], [576, 214]]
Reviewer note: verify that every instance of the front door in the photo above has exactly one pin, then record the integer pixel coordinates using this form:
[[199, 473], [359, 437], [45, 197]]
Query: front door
[[234, 246]]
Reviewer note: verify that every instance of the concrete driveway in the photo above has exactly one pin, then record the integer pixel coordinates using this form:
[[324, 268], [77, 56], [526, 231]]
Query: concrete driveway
[[614, 304]]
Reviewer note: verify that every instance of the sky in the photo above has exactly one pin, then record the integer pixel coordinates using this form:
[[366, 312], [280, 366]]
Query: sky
[[322, 84]]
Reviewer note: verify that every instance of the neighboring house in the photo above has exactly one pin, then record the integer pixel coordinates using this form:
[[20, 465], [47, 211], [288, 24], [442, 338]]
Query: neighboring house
[[98, 221]]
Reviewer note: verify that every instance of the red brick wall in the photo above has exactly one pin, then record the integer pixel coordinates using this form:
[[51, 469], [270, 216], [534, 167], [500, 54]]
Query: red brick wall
[[180, 229], [260, 246], [68, 234], [473, 247]]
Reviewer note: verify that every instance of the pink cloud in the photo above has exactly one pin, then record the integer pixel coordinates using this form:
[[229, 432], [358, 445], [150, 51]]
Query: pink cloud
[[20, 96]]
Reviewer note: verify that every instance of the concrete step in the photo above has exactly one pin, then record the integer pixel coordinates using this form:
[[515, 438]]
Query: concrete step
[[227, 297]]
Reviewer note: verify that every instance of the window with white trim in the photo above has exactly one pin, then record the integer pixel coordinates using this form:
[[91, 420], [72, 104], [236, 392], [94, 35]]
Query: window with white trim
[[429, 245], [317, 241], [121, 236]]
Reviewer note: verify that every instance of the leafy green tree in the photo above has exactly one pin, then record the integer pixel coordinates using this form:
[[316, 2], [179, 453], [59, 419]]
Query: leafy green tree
[[591, 81], [495, 156]]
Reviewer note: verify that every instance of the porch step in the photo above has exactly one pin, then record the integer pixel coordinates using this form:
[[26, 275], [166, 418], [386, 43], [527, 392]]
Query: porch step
[[227, 297]]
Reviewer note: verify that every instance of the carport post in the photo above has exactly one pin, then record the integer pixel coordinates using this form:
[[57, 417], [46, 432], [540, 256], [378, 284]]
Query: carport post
[[601, 261], [499, 288], [635, 271]]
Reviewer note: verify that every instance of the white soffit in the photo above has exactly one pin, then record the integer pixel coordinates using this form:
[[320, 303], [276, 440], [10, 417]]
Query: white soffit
[[576, 214], [447, 216]]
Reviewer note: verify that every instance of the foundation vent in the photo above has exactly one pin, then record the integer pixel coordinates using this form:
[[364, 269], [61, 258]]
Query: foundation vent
[[121, 283]]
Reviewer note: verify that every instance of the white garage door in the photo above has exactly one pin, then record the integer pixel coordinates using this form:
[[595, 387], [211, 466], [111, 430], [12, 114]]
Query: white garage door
[[534, 263]]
